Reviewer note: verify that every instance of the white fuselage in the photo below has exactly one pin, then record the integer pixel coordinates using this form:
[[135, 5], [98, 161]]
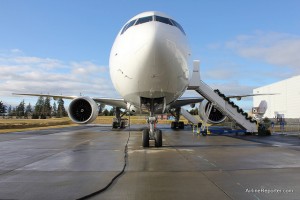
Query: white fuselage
[[150, 60]]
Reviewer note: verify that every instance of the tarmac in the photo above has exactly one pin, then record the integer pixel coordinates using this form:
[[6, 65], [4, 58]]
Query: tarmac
[[70, 163]]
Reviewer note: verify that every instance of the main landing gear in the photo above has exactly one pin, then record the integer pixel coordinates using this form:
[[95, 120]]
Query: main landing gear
[[177, 124], [119, 122]]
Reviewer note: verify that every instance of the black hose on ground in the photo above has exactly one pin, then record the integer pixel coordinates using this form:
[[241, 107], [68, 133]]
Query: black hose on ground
[[114, 178]]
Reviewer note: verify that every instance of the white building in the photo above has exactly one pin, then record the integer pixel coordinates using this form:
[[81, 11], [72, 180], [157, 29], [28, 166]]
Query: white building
[[287, 100]]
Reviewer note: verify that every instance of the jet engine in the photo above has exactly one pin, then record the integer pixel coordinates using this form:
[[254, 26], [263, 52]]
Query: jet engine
[[215, 116], [83, 110], [131, 108]]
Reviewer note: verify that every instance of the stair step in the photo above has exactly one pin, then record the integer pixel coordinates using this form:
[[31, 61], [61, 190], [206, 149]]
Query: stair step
[[227, 107]]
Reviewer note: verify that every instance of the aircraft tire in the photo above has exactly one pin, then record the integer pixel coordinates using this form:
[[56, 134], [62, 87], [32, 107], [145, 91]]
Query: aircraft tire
[[172, 125], [181, 125], [122, 125], [158, 138], [115, 125], [145, 138]]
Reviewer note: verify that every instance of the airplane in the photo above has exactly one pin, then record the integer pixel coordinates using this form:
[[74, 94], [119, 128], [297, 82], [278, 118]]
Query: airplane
[[149, 68]]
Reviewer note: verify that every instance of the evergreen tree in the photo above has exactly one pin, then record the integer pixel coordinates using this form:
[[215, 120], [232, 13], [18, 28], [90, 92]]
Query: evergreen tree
[[21, 109], [39, 108], [101, 107], [47, 107], [61, 111], [9, 111], [105, 112], [193, 111], [14, 112], [54, 109], [28, 111], [2, 108], [112, 111]]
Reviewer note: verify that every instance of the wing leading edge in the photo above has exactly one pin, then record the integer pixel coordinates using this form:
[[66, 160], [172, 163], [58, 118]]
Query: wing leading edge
[[108, 101], [185, 101]]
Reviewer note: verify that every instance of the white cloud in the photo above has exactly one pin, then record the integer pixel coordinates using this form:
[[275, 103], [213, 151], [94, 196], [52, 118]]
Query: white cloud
[[252, 60], [223, 70], [29, 74], [16, 51], [280, 49], [87, 68]]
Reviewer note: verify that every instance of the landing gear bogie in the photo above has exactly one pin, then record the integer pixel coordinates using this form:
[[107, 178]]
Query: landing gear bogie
[[121, 124], [118, 121]]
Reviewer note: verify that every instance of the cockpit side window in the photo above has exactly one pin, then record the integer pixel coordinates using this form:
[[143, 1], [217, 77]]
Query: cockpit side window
[[144, 20], [127, 26], [178, 26], [163, 20]]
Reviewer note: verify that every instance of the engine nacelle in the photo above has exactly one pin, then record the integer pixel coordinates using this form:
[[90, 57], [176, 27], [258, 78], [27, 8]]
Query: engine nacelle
[[83, 110], [215, 116], [131, 108]]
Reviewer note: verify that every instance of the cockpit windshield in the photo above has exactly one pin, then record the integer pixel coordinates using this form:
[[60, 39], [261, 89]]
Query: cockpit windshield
[[163, 20], [143, 20]]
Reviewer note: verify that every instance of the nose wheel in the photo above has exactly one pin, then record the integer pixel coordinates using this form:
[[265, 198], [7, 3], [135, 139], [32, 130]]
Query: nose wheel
[[156, 136], [146, 138], [152, 133]]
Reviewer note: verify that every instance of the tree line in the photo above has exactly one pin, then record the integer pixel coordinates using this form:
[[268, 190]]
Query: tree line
[[42, 109]]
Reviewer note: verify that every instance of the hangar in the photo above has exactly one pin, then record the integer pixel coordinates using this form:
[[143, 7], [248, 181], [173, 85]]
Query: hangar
[[285, 103]]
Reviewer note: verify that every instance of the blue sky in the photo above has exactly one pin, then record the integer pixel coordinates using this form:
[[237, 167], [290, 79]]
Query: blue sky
[[63, 46]]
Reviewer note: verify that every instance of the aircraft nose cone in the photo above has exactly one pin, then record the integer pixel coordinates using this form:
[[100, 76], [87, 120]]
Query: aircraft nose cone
[[148, 60]]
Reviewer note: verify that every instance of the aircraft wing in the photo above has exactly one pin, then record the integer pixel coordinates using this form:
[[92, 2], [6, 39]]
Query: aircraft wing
[[239, 97], [55, 97], [185, 101], [112, 102], [107, 101]]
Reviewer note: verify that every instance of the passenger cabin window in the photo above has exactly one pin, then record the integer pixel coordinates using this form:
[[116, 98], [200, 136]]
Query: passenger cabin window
[[144, 20], [163, 20]]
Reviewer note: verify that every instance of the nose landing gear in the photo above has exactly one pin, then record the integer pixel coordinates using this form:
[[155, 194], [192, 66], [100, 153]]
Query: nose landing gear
[[152, 134]]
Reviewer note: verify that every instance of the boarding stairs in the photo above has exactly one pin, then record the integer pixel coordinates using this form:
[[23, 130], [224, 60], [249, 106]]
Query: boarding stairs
[[221, 102], [189, 117]]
